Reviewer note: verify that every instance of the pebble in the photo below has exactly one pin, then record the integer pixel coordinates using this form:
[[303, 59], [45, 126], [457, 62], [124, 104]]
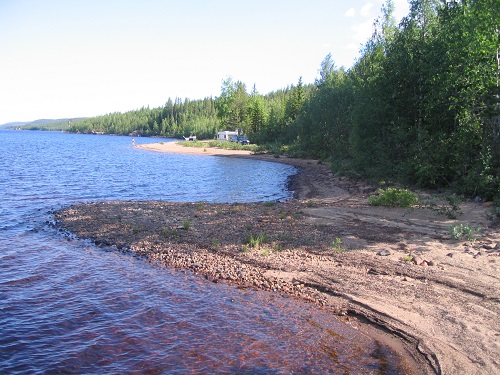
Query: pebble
[[384, 252], [424, 262]]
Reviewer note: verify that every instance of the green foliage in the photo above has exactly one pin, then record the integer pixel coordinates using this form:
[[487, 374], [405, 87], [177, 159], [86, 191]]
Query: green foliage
[[186, 224], [394, 197], [337, 246], [169, 232], [408, 258], [463, 231], [54, 125], [224, 145], [175, 119], [496, 210], [198, 144], [234, 146], [256, 241], [450, 210]]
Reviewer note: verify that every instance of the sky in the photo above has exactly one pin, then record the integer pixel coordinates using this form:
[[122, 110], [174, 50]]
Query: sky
[[83, 58]]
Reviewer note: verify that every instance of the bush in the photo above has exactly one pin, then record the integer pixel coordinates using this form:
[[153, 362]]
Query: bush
[[393, 197], [463, 231], [234, 146], [450, 211], [337, 246]]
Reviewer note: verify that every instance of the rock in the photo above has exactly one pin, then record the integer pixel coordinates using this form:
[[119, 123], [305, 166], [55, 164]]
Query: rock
[[403, 246], [365, 189], [490, 246], [449, 255], [417, 260], [373, 271], [384, 253]]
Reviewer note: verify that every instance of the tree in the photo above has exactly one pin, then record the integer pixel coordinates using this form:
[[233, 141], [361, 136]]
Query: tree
[[256, 113], [327, 68]]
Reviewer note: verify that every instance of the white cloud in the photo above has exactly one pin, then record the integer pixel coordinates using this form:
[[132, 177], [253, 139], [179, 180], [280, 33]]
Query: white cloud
[[402, 9], [350, 12], [366, 10], [362, 31]]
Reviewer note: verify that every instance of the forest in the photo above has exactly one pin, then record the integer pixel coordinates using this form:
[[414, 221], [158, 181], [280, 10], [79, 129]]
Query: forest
[[420, 106]]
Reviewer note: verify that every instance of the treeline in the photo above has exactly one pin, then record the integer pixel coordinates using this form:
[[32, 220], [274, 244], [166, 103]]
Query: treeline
[[174, 119], [420, 105]]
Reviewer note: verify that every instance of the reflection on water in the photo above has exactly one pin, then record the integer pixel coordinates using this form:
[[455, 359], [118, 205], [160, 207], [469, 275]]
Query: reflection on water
[[70, 307]]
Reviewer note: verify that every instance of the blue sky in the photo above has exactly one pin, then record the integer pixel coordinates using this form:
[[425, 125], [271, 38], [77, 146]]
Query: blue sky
[[71, 58]]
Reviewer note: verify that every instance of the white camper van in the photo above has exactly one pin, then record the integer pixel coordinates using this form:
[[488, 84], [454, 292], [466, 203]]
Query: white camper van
[[231, 136], [226, 135]]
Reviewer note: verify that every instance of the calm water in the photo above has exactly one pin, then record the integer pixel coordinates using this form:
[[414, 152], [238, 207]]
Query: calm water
[[70, 307]]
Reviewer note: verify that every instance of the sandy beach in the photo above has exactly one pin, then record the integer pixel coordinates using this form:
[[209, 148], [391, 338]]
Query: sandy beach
[[392, 272]]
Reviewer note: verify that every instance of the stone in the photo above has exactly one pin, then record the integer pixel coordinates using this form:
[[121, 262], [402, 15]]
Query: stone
[[417, 260], [490, 246], [384, 252]]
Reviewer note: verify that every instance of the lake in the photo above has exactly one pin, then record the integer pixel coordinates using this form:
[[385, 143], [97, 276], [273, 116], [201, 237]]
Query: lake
[[73, 308]]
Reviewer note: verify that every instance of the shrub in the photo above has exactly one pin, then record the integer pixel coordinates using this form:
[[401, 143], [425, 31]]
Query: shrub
[[408, 258], [169, 232], [337, 246], [461, 231], [393, 197], [450, 211], [234, 146]]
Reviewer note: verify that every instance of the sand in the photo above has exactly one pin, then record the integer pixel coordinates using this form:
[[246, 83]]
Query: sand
[[397, 269]]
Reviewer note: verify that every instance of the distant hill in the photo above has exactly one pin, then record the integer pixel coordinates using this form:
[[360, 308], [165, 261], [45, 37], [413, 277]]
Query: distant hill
[[42, 124], [13, 124]]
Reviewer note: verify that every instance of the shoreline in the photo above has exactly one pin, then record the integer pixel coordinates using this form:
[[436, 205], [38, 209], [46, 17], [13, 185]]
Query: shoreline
[[444, 309]]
